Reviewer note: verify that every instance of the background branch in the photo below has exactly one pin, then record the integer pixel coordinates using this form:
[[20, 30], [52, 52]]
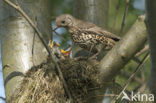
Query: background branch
[[132, 76], [142, 51], [116, 14], [124, 16], [127, 75]]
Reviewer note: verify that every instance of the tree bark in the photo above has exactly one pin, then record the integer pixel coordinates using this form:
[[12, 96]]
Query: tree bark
[[123, 51], [21, 48], [95, 11], [151, 25]]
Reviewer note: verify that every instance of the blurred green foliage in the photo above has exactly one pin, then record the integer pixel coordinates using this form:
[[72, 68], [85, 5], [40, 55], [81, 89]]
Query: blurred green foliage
[[116, 10]]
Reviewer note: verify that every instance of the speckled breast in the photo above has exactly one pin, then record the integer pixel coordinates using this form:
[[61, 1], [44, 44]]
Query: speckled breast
[[88, 41]]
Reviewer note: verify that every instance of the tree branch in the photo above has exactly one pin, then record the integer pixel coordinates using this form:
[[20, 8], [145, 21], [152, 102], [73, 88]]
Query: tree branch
[[123, 51], [124, 16], [145, 49], [127, 75]]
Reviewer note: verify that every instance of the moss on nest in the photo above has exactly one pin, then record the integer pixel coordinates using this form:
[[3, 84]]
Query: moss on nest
[[41, 84]]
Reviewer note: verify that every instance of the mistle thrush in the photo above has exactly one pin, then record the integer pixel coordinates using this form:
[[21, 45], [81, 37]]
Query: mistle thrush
[[87, 35]]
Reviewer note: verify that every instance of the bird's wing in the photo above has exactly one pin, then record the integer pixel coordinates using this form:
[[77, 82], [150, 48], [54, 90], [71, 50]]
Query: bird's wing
[[92, 28], [99, 31]]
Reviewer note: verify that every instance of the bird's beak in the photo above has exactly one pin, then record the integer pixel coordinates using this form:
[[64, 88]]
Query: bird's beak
[[56, 27]]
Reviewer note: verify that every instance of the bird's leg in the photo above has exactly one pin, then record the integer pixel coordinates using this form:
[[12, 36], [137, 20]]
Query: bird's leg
[[93, 56], [90, 50]]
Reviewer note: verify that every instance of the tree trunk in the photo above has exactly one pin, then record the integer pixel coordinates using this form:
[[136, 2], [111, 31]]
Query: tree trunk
[[95, 11], [151, 25], [21, 48]]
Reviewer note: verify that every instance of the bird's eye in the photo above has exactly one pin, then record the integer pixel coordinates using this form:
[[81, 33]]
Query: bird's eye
[[63, 22]]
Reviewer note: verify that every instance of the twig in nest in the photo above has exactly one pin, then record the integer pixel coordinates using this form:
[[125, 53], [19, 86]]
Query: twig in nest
[[124, 16], [17, 7], [131, 77]]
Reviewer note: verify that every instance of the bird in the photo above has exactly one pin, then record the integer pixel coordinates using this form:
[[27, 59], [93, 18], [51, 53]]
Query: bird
[[60, 54], [86, 34]]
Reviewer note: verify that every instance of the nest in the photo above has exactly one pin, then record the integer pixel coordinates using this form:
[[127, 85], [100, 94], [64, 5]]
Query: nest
[[41, 84], [81, 76]]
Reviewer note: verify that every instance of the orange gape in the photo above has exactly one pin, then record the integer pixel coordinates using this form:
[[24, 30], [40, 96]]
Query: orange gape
[[67, 52]]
